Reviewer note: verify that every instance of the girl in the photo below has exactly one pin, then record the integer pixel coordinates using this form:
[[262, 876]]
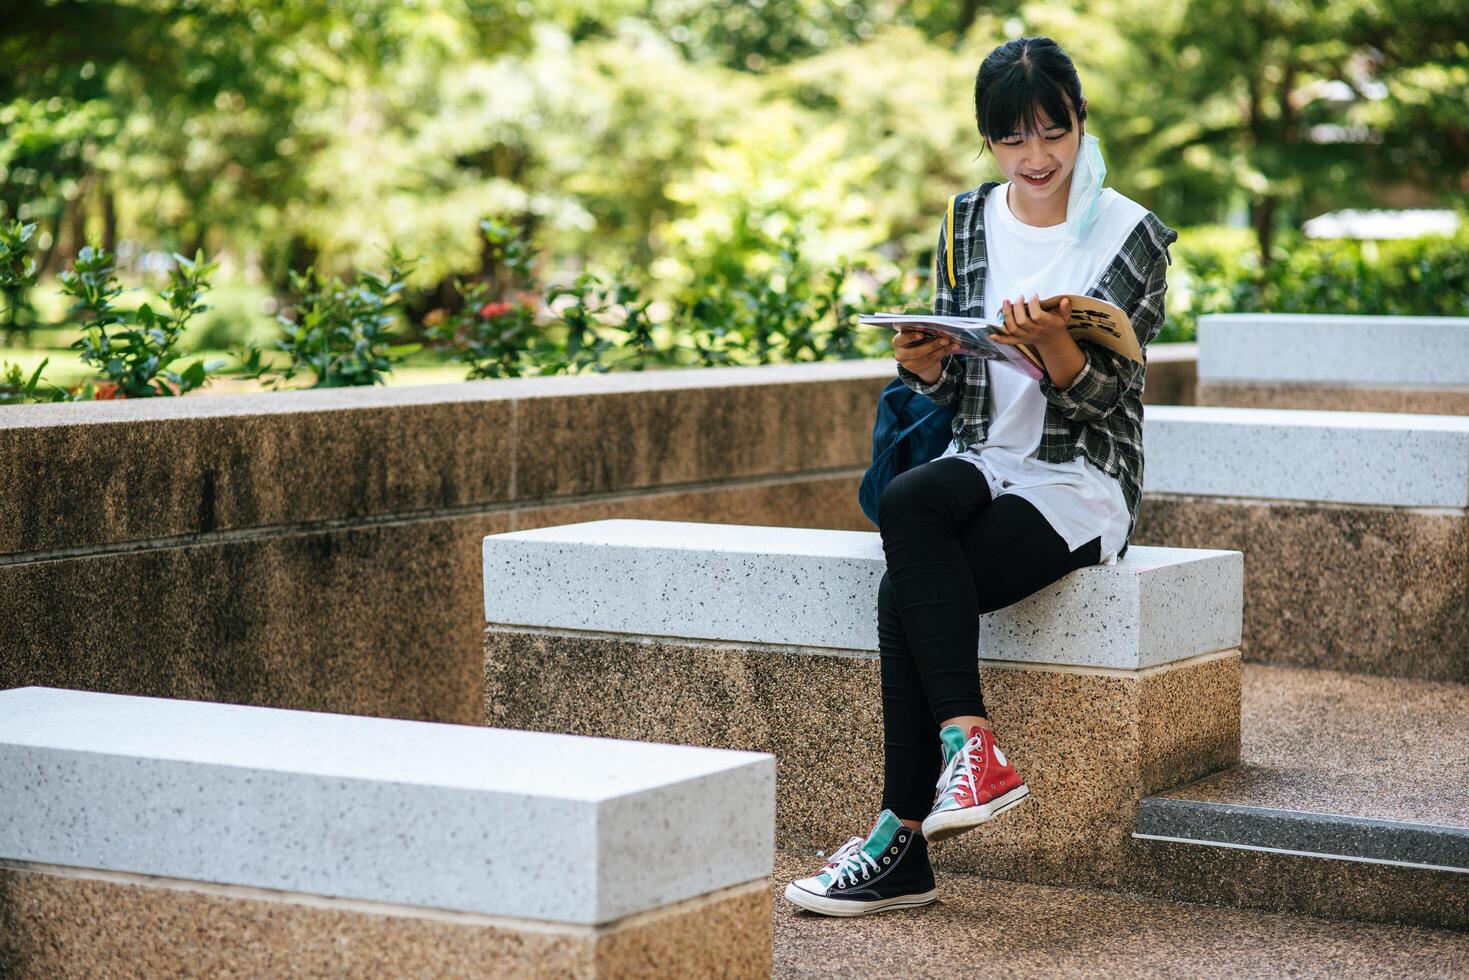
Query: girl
[[1041, 478]]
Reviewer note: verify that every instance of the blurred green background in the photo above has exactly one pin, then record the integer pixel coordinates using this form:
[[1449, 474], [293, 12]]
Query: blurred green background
[[678, 143]]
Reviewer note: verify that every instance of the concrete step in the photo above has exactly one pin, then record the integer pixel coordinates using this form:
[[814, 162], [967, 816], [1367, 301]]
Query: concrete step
[[1352, 525], [1335, 362], [1351, 799], [537, 844], [992, 927]]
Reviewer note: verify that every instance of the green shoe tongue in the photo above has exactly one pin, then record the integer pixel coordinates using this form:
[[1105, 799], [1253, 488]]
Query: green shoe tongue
[[881, 834], [953, 738]]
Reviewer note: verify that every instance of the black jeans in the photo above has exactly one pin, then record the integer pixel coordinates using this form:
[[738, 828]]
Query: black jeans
[[953, 553]]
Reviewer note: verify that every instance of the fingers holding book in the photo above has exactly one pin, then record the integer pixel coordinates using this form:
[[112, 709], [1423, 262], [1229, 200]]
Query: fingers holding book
[[921, 351], [1031, 321]]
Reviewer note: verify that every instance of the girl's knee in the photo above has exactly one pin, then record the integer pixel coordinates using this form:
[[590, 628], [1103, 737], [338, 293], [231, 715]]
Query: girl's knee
[[909, 489]]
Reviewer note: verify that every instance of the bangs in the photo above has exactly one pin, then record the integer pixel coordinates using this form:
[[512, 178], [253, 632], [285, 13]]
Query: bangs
[[1013, 104]]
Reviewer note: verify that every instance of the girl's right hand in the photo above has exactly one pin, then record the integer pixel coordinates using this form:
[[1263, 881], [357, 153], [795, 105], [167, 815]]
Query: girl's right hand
[[923, 352]]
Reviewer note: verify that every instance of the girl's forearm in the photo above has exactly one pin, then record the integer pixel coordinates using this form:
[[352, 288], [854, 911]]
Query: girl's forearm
[[1063, 360]]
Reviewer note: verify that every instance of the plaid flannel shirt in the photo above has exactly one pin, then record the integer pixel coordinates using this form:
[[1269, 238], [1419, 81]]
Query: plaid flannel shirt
[[1100, 414]]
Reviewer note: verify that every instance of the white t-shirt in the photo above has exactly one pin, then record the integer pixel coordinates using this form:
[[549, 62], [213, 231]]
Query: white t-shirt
[[1076, 498]]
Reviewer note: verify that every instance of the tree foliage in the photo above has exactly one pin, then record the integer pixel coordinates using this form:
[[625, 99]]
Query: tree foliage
[[682, 138]]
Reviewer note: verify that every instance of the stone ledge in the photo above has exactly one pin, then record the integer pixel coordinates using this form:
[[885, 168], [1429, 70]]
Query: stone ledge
[[89, 474], [1345, 457], [1333, 348], [381, 809], [809, 587]]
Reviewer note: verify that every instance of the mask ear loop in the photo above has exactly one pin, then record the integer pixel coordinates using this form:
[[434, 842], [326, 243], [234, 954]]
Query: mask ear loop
[[1086, 188]]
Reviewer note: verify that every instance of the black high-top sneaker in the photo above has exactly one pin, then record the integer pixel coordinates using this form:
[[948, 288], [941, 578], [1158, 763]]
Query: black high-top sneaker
[[888, 869]]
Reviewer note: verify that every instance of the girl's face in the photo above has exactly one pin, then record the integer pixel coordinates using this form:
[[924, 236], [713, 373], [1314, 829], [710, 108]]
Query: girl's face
[[1050, 153]]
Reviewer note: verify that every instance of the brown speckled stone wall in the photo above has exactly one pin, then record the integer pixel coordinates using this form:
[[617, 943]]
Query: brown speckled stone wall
[[1334, 398], [1173, 374], [91, 924], [361, 620], [1188, 720], [1089, 743], [320, 549], [375, 619], [1379, 590]]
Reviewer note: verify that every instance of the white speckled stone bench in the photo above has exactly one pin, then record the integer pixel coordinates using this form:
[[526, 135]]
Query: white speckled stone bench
[[1353, 527], [1335, 362], [257, 841], [1108, 685]]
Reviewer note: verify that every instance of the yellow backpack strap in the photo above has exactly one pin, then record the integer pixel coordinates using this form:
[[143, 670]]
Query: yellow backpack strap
[[949, 241]]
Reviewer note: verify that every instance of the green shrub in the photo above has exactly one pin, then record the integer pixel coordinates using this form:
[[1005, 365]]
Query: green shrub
[[16, 388], [494, 330], [596, 322], [1221, 273], [342, 335], [132, 350], [17, 276]]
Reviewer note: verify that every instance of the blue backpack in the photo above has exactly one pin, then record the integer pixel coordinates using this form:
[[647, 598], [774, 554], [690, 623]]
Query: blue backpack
[[910, 428]]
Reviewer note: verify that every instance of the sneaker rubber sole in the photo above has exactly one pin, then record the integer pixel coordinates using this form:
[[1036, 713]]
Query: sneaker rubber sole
[[839, 906], [951, 823]]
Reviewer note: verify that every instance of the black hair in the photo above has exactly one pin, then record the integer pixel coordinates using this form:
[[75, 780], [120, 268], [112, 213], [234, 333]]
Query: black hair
[[1020, 77]]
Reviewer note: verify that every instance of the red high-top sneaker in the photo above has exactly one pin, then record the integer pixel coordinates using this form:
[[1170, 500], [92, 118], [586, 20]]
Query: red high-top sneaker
[[978, 783]]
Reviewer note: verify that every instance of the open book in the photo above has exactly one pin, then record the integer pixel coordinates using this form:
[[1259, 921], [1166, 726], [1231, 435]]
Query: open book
[[1091, 319]]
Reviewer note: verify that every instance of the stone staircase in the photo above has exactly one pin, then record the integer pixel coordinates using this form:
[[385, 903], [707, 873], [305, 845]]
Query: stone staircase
[[1161, 767], [1350, 796], [1350, 801]]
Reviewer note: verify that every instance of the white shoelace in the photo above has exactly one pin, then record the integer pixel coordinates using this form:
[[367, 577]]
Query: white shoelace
[[841, 852], [849, 859], [958, 774]]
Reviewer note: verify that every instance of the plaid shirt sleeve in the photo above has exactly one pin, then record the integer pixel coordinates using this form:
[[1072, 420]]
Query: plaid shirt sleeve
[[949, 383], [1099, 387]]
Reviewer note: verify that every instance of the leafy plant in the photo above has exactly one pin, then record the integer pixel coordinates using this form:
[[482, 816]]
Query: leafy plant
[[340, 334], [494, 330], [788, 312], [588, 303], [17, 276], [132, 351], [16, 388], [1222, 273]]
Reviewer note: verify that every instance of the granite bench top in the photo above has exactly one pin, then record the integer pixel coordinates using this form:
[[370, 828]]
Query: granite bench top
[[818, 588], [529, 825]]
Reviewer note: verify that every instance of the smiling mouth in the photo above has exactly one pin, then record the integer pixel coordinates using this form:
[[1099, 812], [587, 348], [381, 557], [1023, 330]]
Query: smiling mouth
[[1038, 180]]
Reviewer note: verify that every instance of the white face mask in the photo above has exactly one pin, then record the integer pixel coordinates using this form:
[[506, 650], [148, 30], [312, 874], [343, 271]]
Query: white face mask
[[1082, 203]]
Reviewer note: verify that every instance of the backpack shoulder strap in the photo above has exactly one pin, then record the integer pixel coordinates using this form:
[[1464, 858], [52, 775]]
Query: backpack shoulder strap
[[949, 240]]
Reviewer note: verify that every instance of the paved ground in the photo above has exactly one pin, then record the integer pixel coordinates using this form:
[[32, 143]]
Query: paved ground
[[983, 928], [1381, 747]]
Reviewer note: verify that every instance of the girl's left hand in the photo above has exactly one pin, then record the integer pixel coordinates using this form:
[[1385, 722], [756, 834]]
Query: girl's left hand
[[1027, 323]]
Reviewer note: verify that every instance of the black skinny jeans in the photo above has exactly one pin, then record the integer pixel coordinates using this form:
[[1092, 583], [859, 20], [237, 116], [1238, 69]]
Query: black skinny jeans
[[953, 553]]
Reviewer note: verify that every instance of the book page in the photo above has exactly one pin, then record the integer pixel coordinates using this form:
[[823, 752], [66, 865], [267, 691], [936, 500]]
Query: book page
[[972, 333], [1100, 322]]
